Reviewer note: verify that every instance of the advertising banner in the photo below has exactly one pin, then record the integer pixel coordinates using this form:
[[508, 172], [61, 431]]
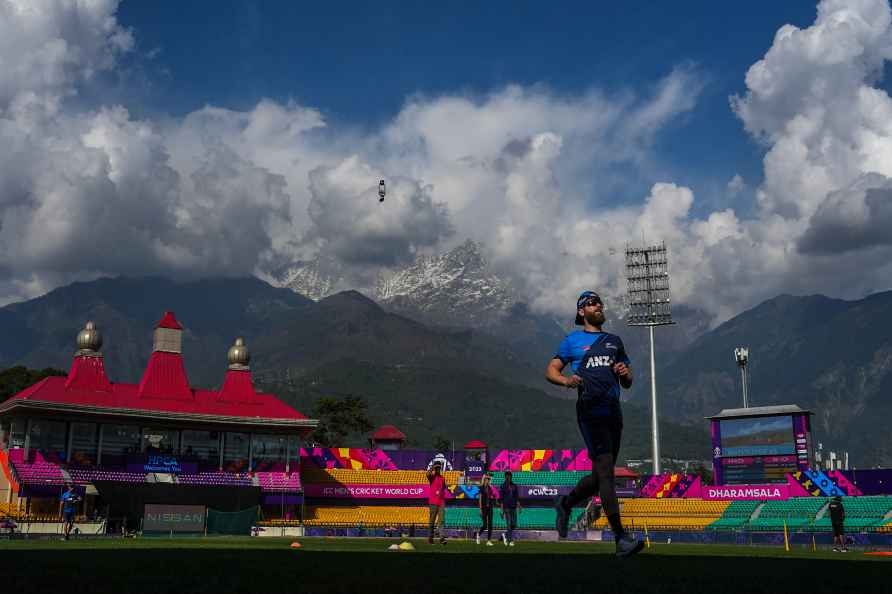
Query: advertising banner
[[550, 492], [540, 460], [801, 431], [475, 465], [745, 492], [542, 491], [376, 459], [715, 431], [876, 481], [670, 486], [173, 518], [283, 499], [338, 491], [161, 463]]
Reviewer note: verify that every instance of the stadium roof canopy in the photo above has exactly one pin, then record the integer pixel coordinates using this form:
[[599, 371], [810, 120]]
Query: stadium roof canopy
[[475, 444], [162, 395], [760, 411]]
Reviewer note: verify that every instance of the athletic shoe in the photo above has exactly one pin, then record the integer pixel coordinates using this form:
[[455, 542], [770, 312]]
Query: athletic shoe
[[489, 543], [627, 545], [845, 550], [443, 540], [511, 544], [561, 517], [477, 538], [835, 549], [505, 538]]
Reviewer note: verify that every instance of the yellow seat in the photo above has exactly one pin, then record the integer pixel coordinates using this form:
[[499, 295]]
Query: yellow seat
[[365, 515], [674, 514]]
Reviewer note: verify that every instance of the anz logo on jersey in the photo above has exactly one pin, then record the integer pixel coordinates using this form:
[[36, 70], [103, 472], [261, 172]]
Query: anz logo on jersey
[[599, 361]]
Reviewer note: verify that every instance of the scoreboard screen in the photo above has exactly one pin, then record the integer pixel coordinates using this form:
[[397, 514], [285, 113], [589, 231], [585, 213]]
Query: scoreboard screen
[[760, 449], [760, 436], [758, 470]]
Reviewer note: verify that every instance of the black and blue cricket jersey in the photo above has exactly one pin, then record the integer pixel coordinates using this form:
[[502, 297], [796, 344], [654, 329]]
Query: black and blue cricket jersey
[[591, 356]]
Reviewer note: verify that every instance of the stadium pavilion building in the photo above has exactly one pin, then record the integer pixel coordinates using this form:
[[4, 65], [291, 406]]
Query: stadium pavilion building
[[158, 441]]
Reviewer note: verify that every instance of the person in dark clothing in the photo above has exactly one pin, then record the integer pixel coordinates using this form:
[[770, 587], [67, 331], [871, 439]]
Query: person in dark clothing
[[600, 368], [837, 519], [487, 501], [510, 499]]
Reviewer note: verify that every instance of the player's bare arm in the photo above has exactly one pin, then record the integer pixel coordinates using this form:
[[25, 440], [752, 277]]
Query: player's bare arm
[[554, 374], [624, 373]]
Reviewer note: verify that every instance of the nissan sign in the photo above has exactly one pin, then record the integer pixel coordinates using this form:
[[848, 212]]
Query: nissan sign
[[173, 518]]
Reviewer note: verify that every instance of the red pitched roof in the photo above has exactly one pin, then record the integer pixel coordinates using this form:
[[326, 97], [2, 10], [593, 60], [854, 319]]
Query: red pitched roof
[[126, 396], [163, 391], [475, 444], [169, 321], [88, 373], [237, 387], [165, 377], [388, 432], [623, 472]]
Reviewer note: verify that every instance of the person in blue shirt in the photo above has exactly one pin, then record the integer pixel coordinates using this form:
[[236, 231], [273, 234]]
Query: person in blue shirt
[[68, 505], [600, 367]]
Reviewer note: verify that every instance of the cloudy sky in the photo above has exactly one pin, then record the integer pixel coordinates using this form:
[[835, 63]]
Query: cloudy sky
[[236, 137]]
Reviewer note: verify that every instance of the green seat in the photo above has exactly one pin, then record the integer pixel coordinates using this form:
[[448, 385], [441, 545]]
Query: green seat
[[530, 518]]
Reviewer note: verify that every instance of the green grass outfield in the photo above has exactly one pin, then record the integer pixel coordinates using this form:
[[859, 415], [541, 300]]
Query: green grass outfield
[[269, 565]]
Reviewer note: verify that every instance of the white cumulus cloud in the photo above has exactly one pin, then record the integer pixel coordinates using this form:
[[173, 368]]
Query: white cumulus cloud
[[533, 174]]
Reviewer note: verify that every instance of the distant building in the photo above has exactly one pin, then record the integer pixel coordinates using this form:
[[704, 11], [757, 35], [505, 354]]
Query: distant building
[[90, 431], [388, 437]]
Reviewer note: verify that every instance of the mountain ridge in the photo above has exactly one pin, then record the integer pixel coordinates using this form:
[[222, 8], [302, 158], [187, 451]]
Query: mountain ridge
[[828, 355]]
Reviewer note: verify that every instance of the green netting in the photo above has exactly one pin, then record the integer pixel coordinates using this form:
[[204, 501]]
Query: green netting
[[239, 522]]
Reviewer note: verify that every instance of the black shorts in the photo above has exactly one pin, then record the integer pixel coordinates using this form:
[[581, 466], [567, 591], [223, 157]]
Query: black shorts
[[68, 516], [602, 435], [837, 529]]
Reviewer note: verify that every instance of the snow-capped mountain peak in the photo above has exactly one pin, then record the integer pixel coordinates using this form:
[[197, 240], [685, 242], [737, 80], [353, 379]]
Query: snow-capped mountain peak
[[454, 288]]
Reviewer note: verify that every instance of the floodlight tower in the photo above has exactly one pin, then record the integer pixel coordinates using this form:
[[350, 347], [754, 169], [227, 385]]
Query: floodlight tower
[[742, 356], [647, 273]]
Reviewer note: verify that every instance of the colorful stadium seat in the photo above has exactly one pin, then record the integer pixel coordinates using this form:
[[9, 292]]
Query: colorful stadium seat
[[796, 513], [735, 515], [530, 518], [671, 514], [862, 514], [370, 516], [279, 481]]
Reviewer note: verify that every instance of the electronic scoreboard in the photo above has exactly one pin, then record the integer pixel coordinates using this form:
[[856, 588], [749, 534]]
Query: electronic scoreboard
[[760, 445]]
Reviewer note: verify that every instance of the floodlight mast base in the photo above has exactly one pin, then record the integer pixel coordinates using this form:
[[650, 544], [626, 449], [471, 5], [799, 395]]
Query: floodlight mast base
[[654, 421]]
